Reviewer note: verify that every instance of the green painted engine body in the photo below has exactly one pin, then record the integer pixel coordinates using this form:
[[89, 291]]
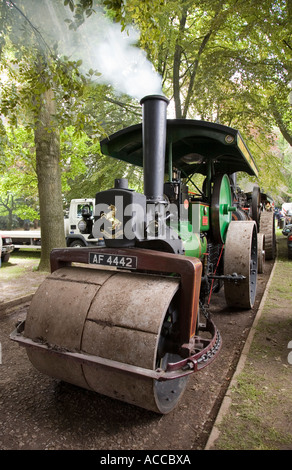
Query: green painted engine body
[[194, 147]]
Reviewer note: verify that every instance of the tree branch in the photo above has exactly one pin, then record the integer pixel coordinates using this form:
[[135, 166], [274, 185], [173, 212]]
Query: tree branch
[[280, 123], [35, 30], [194, 72]]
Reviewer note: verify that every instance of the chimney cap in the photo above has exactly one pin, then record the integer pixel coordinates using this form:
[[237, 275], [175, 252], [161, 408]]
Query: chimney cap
[[154, 97]]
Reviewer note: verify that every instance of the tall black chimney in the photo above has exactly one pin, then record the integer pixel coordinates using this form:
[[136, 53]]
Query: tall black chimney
[[154, 141]]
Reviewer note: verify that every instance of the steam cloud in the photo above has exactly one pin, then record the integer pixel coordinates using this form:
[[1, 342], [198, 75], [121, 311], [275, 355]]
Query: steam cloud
[[100, 44], [125, 66]]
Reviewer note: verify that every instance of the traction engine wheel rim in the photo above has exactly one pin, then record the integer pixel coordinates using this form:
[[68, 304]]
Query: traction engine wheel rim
[[261, 252], [115, 315], [241, 257]]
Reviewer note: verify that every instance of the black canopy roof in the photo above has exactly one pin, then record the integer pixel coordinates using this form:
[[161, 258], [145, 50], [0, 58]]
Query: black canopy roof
[[191, 144]]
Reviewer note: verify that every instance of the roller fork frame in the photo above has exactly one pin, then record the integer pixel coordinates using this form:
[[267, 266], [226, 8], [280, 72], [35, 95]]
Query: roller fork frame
[[197, 352]]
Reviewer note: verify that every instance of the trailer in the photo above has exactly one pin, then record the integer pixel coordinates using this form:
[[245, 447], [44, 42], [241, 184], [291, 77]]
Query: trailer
[[77, 225]]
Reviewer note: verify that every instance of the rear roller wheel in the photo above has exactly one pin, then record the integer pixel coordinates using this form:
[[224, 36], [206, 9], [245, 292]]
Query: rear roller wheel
[[240, 257], [239, 214], [267, 227], [114, 315]]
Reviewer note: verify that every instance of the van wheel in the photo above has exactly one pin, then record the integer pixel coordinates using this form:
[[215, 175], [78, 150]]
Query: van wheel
[[77, 244]]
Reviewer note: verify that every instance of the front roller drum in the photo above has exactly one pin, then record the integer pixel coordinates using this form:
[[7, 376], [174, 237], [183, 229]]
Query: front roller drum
[[118, 316]]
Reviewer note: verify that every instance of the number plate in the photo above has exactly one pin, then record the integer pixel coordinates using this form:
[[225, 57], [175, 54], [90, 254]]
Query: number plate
[[117, 261]]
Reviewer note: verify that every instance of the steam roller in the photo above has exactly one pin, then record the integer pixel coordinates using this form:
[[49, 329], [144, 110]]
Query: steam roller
[[129, 317]]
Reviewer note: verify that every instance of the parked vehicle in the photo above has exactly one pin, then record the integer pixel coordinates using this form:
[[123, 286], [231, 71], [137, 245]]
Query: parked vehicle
[[289, 245], [287, 229], [6, 248], [78, 225]]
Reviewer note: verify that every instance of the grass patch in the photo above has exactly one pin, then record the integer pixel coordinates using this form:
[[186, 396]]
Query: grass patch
[[26, 254], [13, 273], [259, 417], [19, 263], [249, 424]]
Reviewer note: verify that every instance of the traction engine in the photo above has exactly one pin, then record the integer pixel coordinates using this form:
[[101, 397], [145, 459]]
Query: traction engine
[[130, 320]]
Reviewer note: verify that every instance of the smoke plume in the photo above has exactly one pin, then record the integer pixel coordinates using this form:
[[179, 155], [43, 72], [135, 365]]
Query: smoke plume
[[100, 44], [125, 66]]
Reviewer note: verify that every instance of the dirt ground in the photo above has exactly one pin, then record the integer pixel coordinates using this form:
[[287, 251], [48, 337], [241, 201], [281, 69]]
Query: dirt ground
[[39, 412], [19, 276]]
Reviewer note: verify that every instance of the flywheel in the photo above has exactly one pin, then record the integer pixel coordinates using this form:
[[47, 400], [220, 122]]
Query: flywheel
[[240, 259], [255, 205], [221, 208], [121, 317]]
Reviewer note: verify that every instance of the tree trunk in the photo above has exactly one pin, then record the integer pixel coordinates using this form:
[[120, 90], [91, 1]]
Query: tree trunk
[[177, 64], [47, 143]]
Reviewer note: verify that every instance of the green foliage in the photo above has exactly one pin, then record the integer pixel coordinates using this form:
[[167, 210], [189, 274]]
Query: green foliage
[[18, 183], [81, 10], [228, 62], [29, 68], [87, 171]]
